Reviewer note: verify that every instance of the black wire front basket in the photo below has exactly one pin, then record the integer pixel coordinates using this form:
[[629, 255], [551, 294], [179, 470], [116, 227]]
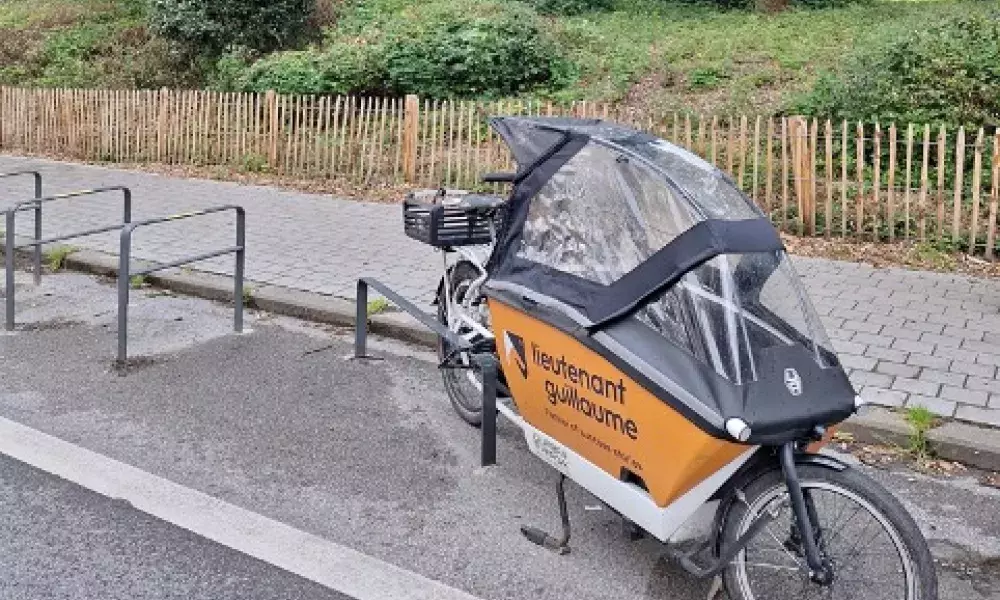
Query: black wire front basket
[[447, 219]]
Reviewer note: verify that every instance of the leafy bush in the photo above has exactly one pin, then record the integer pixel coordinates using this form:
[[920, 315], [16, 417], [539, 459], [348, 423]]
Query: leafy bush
[[438, 49], [949, 72], [212, 26], [452, 51], [570, 7], [339, 68]]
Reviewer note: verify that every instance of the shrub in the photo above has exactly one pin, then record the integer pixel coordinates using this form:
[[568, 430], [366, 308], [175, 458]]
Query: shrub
[[212, 26], [949, 72], [478, 50], [570, 7], [437, 49], [340, 68]]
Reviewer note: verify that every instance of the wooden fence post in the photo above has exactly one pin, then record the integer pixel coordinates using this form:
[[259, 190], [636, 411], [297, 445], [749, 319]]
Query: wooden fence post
[[411, 121], [162, 123], [271, 102], [801, 170]]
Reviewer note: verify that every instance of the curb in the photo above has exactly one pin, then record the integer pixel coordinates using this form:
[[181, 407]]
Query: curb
[[309, 306], [956, 441]]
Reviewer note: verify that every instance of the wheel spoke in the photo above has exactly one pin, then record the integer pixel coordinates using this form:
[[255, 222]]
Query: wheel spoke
[[867, 552]]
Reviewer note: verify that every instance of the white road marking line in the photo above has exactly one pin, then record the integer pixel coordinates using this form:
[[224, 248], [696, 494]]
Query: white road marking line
[[306, 555]]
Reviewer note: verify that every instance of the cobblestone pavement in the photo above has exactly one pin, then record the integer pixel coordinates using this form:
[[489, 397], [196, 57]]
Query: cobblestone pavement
[[908, 337]]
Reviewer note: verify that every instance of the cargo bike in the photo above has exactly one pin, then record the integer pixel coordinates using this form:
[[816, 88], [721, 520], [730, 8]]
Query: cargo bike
[[637, 317]]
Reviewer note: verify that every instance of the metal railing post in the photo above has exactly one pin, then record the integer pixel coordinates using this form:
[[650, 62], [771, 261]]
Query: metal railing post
[[127, 201], [9, 269], [238, 270], [361, 320], [488, 449], [37, 254], [123, 282]]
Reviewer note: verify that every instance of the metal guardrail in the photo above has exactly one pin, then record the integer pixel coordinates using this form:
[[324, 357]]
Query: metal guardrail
[[35, 204], [125, 274], [485, 363], [38, 218]]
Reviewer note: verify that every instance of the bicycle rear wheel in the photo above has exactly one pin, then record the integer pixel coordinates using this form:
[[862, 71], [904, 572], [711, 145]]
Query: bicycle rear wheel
[[463, 386], [875, 549]]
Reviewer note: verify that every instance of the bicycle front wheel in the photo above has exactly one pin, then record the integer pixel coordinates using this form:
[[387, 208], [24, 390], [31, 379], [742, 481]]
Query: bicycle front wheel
[[875, 549]]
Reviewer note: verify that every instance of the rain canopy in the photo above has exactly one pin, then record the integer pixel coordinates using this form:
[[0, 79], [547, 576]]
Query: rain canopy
[[665, 264]]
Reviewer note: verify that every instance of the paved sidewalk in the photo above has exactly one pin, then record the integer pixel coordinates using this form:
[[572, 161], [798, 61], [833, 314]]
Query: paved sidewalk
[[908, 337]]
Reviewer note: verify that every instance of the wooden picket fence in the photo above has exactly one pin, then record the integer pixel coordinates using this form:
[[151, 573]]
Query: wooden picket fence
[[871, 181]]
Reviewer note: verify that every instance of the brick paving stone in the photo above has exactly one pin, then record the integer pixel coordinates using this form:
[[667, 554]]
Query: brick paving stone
[[979, 383], [948, 319], [925, 360], [935, 376], [853, 361], [912, 346], [986, 358], [910, 313], [956, 354], [891, 368], [890, 398], [848, 347], [924, 326], [862, 326], [963, 333], [985, 371], [975, 414], [964, 395], [991, 346], [862, 379], [874, 340], [879, 352], [941, 341], [902, 333], [914, 386], [943, 408]]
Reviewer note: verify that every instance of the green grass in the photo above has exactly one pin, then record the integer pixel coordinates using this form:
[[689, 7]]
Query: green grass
[[764, 57]]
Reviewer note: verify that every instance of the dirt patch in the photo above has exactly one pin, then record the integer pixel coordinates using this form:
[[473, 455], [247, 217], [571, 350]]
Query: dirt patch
[[53, 325], [134, 364], [896, 254], [894, 457]]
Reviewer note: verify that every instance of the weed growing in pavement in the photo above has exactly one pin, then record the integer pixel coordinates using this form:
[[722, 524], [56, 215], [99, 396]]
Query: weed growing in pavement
[[137, 281], [921, 421], [377, 306], [55, 258], [248, 296]]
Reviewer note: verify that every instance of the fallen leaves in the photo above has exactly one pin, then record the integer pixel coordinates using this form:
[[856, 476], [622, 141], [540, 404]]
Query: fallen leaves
[[896, 254]]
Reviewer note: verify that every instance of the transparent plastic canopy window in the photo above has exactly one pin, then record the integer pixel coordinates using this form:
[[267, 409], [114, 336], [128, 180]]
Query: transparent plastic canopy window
[[605, 212]]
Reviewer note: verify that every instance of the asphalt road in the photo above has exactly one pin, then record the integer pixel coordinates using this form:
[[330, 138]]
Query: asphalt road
[[366, 455]]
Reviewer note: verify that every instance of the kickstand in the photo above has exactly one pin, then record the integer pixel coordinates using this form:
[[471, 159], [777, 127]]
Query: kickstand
[[537, 536]]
